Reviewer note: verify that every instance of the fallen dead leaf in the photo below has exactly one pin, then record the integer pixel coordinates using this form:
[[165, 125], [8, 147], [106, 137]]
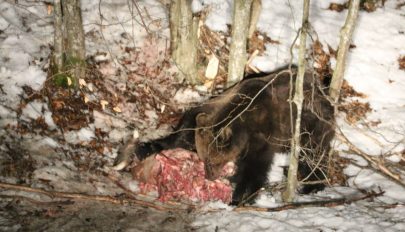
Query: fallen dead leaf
[[200, 24], [103, 103], [348, 91], [82, 82], [401, 61], [355, 110], [69, 81], [116, 109], [249, 62], [135, 135], [58, 104], [337, 7], [212, 67], [49, 9], [162, 109], [208, 84]]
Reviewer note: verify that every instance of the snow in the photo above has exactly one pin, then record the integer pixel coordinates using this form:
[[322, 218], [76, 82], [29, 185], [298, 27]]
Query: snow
[[187, 96], [279, 162], [8, 12], [7, 117], [348, 218], [49, 142], [151, 115], [85, 134], [219, 13], [13, 81], [119, 21], [372, 68], [107, 122]]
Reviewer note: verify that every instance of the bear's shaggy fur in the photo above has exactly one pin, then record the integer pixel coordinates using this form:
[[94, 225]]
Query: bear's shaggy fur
[[248, 124]]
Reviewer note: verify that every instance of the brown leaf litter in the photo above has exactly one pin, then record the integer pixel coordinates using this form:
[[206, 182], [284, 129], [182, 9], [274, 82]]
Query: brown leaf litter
[[401, 62], [365, 5]]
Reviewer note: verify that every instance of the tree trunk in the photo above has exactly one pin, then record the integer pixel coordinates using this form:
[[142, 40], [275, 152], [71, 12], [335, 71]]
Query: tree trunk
[[254, 16], [174, 17], [74, 35], [298, 99], [58, 36], [69, 48], [183, 41], [237, 54], [344, 44]]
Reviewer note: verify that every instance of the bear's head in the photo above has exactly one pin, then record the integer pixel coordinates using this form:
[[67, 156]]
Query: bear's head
[[216, 145]]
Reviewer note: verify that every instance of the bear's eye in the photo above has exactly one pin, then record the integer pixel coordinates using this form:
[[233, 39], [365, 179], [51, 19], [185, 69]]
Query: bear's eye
[[201, 131], [224, 137], [225, 134]]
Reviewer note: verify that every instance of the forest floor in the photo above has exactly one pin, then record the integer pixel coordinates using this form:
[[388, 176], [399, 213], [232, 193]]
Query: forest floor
[[57, 145], [88, 216]]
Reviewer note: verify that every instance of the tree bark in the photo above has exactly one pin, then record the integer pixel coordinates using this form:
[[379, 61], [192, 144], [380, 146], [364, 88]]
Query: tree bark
[[237, 54], [74, 35], [69, 48], [183, 41], [254, 16], [344, 44], [174, 17], [298, 99], [58, 36]]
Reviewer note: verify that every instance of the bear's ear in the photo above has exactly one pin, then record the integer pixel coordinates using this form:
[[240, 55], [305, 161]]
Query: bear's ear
[[201, 119]]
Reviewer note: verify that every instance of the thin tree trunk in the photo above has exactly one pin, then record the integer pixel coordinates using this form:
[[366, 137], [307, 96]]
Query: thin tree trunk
[[58, 36], [174, 17], [237, 54], [254, 16], [344, 44], [184, 39], [298, 99], [69, 48], [74, 35]]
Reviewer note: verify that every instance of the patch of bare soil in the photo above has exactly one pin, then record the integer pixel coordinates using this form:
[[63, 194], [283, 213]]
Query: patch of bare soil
[[15, 162], [48, 171], [23, 215]]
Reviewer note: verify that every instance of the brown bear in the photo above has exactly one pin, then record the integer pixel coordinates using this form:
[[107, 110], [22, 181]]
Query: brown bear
[[248, 124]]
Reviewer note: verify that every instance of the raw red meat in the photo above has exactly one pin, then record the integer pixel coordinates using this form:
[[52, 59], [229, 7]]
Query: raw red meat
[[179, 174]]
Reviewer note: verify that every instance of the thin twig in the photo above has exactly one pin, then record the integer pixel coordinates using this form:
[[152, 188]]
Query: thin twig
[[17, 197], [376, 164], [326, 203], [140, 15], [82, 196]]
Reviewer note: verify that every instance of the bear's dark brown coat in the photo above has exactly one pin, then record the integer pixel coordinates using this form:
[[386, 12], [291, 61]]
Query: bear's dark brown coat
[[250, 122]]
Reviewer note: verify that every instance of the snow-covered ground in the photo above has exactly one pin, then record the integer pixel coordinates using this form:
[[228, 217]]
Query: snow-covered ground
[[372, 69]]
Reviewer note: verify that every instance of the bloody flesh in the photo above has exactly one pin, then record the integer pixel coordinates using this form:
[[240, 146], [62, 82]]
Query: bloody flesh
[[179, 174]]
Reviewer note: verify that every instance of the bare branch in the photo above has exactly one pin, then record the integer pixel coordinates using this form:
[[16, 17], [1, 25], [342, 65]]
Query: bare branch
[[326, 203], [82, 196], [375, 162]]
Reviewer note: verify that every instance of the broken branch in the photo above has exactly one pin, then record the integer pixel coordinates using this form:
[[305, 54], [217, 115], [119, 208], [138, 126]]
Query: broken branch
[[326, 203], [376, 164], [82, 196]]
